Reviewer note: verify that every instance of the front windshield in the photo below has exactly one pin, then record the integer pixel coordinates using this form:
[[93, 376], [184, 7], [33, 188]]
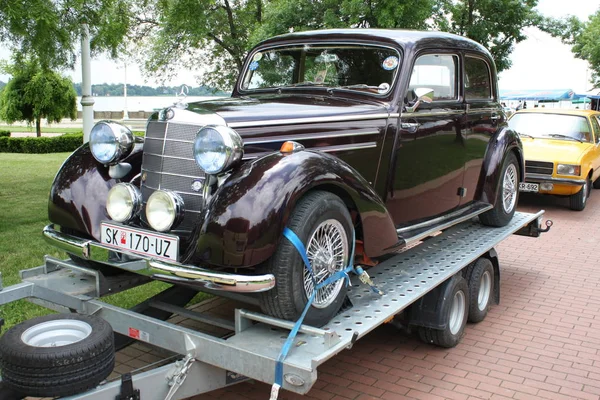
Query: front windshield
[[355, 67], [552, 126]]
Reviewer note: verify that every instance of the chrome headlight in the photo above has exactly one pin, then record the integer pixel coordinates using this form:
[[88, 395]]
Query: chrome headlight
[[110, 142], [164, 210], [216, 148], [124, 202], [567, 169]]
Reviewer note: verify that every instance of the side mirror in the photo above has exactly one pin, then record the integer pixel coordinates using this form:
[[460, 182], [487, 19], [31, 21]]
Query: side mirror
[[423, 95]]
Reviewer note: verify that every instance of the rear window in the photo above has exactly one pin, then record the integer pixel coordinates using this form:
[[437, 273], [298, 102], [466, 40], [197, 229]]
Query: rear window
[[552, 126]]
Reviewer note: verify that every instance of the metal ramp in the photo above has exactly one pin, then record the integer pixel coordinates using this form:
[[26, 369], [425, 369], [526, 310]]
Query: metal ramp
[[252, 350]]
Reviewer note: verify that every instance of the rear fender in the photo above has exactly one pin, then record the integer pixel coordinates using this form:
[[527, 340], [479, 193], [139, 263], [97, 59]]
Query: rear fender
[[504, 141], [246, 215]]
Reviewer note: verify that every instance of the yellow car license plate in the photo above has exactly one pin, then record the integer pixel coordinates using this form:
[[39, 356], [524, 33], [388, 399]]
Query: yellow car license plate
[[529, 187]]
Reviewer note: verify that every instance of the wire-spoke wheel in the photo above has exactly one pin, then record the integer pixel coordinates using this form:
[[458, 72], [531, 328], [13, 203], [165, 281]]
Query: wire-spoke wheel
[[322, 222], [328, 253], [507, 194], [510, 188]]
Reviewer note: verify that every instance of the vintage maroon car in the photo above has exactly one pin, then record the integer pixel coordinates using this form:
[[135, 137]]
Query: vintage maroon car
[[387, 136]]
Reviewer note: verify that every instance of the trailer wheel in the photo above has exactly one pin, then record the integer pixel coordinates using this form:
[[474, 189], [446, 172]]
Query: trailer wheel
[[480, 278], [322, 222], [455, 319], [57, 355]]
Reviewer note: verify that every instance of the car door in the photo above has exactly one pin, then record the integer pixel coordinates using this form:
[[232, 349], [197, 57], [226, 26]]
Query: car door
[[484, 114], [428, 163]]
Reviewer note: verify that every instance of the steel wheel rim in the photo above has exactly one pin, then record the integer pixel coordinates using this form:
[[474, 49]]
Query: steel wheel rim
[[457, 312], [328, 253], [509, 188], [585, 192], [56, 333], [485, 289]]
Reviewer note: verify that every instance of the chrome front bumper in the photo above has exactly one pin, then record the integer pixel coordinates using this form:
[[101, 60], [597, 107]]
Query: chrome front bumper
[[539, 178], [157, 269]]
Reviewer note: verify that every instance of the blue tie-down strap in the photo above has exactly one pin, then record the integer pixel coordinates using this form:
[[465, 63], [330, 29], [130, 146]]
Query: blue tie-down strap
[[343, 274]]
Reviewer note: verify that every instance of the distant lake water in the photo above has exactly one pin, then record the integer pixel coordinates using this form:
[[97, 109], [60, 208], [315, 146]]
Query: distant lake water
[[138, 103]]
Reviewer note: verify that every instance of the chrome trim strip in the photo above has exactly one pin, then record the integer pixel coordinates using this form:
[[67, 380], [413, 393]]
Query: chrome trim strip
[[337, 118], [475, 110], [175, 157], [538, 178], [161, 270], [449, 222], [430, 114], [171, 174], [172, 140], [345, 147], [324, 149], [309, 137], [175, 191]]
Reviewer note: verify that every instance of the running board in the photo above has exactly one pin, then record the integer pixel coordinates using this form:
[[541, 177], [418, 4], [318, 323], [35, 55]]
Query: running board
[[414, 234]]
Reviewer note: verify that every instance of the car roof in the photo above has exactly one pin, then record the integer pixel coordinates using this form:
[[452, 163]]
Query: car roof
[[584, 113], [403, 37]]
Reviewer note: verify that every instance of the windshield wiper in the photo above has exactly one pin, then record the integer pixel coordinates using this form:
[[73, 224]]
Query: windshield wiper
[[305, 83], [561, 136], [357, 86]]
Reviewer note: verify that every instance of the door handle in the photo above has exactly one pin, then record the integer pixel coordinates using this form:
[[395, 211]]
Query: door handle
[[495, 117], [410, 126]]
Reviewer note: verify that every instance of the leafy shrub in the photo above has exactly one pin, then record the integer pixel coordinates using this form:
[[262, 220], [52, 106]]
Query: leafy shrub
[[4, 133], [58, 144]]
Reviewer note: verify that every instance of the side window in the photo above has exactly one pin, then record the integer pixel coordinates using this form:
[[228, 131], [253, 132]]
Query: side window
[[477, 79], [437, 72], [596, 127]]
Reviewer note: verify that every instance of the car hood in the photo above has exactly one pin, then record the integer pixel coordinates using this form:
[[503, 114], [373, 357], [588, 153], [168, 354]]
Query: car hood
[[246, 111], [554, 150]]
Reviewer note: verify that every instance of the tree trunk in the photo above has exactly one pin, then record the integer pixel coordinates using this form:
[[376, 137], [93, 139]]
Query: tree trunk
[[38, 127]]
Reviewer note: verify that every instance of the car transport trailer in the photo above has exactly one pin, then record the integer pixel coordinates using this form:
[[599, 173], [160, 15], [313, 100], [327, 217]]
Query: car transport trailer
[[432, 286]]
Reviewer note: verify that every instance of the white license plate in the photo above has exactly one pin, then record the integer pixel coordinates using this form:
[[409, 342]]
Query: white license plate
[[138, 241], [529, 187]]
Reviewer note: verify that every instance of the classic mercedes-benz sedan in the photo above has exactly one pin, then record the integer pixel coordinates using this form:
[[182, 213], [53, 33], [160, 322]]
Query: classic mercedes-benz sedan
[[562, 152], [352, 139]]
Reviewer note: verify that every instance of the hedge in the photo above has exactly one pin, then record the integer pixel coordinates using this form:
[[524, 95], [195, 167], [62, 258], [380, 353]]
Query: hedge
[[64, 143], [4, 133]]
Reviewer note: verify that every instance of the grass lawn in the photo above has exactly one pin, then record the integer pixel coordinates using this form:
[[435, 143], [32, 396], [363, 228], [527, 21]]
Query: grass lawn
[[25, 181]]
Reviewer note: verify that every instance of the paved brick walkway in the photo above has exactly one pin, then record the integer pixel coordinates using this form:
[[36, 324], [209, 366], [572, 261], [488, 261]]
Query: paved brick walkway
[[542, 341]]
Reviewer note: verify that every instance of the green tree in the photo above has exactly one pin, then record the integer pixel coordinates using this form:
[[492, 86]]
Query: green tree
[[497, 24], [34, 93], [52, 29], [583, 36]]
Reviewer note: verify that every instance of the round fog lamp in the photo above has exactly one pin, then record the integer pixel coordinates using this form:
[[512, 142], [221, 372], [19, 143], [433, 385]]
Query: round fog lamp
[[164, 210], [123, 202]]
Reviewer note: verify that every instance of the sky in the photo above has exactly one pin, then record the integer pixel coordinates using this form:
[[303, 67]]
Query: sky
[[540, 62]]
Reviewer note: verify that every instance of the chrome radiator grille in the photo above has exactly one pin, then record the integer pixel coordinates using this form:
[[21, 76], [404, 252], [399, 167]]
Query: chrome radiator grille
[[168, 163], [539, 167]]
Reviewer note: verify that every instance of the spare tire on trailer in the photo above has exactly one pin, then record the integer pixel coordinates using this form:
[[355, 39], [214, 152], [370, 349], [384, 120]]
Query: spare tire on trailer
[[57, 355]]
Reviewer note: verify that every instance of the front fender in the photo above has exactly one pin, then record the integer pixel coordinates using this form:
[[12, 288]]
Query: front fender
[[505, 140], [245, 217], [78, 194]]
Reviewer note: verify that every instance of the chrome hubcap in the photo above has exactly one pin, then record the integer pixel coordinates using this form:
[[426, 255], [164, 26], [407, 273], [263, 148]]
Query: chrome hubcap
[[485, 289], [56, 333], [328, 253], [457, 312], [509, 188]]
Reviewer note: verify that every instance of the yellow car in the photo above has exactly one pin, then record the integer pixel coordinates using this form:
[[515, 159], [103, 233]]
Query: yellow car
[[562, 152]]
